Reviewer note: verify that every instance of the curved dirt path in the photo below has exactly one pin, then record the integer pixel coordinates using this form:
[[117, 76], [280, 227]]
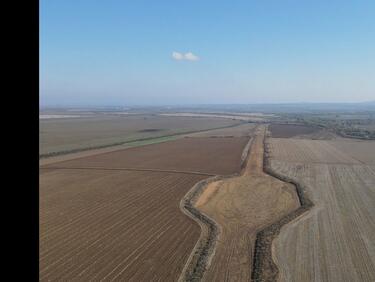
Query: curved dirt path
[[240, 206]]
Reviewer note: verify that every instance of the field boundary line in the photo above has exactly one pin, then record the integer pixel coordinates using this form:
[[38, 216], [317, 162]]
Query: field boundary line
[[133, 169], [204, 250], [264, 267]]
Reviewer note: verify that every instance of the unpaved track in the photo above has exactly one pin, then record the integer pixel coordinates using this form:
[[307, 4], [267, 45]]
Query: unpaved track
[[241, 206], [335, 240]]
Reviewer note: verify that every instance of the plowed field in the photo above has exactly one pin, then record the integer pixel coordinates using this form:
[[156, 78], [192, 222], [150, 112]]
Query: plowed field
[[290, 130], [99, 221], [209, 155], [114, 225]]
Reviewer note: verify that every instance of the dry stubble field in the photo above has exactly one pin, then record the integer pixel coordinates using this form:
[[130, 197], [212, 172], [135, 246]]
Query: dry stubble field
[[100, 221], [335, 240]]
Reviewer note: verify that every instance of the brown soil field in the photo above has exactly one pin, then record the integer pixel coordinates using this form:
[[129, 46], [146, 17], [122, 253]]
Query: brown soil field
[[106, 149], [58, 135], [290, 130], [241, 206], [110, 223], [237, 131], [114, 225], [207, 155], [334, 240]]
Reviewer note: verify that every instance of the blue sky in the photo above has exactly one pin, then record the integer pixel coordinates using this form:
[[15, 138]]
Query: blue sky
[[120, 52]]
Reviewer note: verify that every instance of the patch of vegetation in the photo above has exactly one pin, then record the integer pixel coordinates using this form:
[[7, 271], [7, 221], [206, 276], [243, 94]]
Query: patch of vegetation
[[359, 125]]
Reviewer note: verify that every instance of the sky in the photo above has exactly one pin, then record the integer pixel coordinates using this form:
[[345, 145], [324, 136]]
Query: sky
[[163, 52]]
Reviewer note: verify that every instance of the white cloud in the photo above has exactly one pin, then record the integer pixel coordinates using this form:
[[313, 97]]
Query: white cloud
[[191, 57], [177, 56], [187, 56]]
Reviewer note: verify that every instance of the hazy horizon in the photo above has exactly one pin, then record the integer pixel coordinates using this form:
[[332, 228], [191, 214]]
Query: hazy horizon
[[211, 52]]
